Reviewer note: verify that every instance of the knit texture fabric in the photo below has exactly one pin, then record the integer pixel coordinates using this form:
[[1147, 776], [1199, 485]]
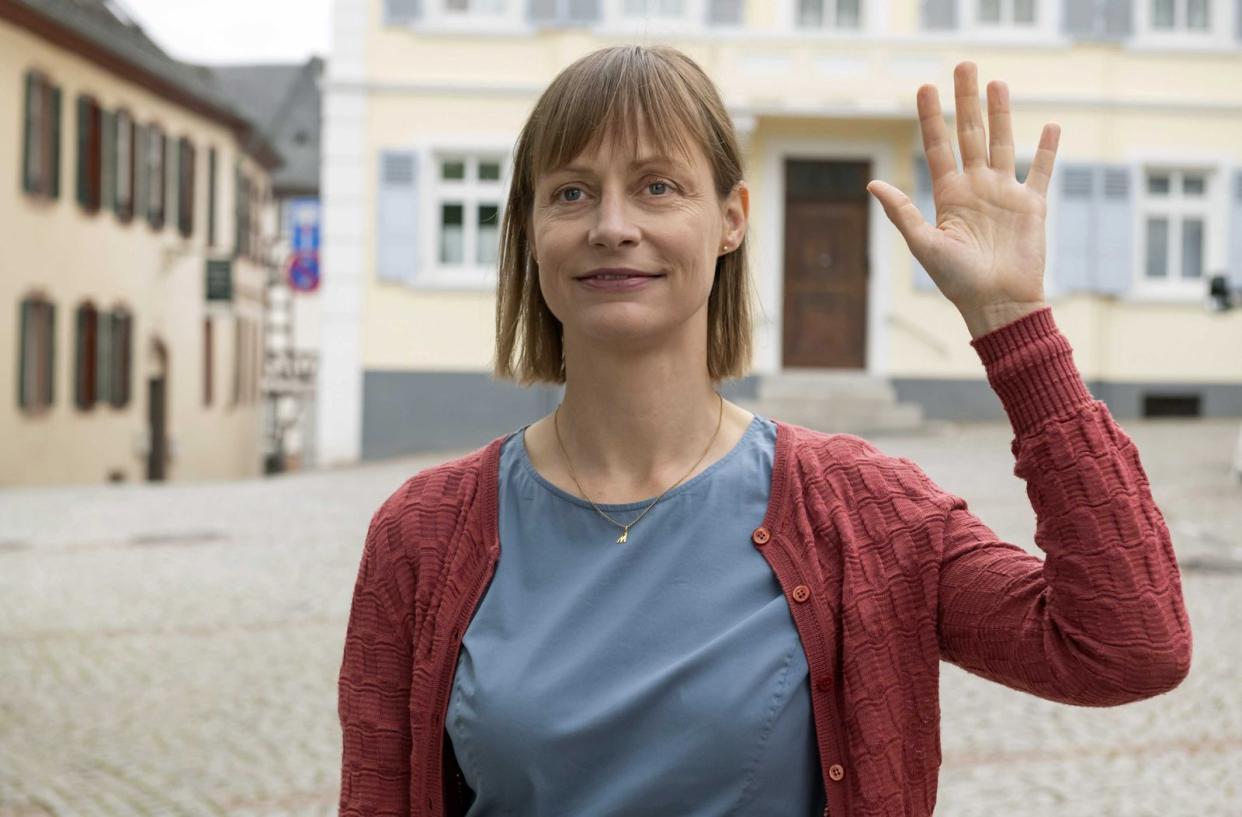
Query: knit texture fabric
[[885, 573]]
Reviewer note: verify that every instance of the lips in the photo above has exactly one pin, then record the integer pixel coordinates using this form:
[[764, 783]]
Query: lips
[[617, 274]]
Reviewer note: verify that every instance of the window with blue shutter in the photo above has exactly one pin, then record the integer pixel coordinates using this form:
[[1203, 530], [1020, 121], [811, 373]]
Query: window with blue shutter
[[1235, 229], [926, 202], [728, 12], [402, 12], [40, 171], [396, 232], [1098, 19], [563, 12], [938, 15]]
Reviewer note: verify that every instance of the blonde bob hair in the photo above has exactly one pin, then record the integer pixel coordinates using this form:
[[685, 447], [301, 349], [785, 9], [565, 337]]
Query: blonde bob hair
[[604, 95]]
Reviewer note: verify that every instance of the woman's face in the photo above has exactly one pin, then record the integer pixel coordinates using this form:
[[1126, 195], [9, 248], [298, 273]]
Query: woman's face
[[656, 220]]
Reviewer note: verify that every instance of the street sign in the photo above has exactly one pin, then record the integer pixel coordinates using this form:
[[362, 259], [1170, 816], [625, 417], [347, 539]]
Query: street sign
[[302, 271]]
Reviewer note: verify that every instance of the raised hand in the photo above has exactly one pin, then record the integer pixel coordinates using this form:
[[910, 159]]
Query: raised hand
[[986, 251]]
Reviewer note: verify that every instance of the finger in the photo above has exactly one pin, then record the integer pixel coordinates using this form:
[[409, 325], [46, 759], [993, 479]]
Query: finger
[[902, 212], [1041, 166], [936, 143], [1000, 128], [970, 134]]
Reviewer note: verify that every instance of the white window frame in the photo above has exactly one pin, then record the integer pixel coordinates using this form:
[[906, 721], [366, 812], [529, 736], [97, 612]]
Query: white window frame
[[864, 11], [692, 19], [434, 192], [438, 19], [1046, 28], [874, 22], [1212, 207], [1219, 36]]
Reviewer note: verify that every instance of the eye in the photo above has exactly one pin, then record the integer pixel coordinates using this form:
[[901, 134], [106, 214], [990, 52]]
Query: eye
[[661, 182], [569, 188]]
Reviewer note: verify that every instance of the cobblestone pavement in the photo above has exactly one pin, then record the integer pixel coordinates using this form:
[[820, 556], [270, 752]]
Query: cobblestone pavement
[[173, 650]]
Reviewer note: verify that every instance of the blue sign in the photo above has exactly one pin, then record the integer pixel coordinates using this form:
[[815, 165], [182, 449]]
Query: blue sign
[[303, 267]]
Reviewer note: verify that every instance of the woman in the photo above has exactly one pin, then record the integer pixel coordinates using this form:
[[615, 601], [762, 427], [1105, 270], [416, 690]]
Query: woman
[[697, 610]]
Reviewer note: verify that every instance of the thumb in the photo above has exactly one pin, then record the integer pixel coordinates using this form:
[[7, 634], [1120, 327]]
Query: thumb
[[901, 211]]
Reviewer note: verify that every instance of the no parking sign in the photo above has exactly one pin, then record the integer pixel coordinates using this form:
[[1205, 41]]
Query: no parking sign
[[302, 269]]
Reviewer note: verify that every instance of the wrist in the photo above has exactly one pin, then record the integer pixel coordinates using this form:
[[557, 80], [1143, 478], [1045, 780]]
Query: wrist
[[981, 320]]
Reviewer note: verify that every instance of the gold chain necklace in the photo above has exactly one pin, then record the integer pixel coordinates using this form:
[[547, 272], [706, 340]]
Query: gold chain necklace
[[625, 532]]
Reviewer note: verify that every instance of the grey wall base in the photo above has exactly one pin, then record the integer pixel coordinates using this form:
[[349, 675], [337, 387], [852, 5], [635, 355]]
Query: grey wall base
[[974, 400], [418, 412]]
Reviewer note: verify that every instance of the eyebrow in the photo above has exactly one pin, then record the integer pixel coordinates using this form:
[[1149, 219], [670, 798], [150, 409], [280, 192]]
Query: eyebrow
[[640, 162]]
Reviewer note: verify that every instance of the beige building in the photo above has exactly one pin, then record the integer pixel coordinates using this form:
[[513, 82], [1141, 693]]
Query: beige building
[[134, 256], [424, 100]]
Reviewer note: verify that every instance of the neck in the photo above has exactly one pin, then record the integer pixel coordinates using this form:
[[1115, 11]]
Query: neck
[[638, 414]]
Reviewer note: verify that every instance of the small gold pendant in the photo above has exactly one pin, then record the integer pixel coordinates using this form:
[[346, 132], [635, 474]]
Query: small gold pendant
[[624, 535]]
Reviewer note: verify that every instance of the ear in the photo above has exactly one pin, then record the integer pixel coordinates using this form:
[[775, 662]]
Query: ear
[[735, 210]]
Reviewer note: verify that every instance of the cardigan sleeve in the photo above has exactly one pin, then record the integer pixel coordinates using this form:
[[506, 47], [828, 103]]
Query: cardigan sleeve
[[1101, 620], [374, 687]]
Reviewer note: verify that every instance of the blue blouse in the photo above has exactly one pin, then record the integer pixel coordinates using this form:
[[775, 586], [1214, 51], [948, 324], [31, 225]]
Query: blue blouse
[[656, 677]]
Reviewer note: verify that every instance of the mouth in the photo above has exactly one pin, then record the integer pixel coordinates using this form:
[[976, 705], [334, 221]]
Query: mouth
[[616, 274]]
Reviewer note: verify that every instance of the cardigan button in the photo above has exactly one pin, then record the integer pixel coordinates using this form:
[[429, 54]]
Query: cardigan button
[[801, 593], [760, 536], [823, 683], [836, 771]]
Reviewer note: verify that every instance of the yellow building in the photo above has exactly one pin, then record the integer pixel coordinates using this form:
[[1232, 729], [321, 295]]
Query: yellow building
[[424, 100], [134, 258]]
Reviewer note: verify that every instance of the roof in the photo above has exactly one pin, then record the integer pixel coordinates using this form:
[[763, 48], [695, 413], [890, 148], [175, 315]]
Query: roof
[[284, 101], [101, 31]]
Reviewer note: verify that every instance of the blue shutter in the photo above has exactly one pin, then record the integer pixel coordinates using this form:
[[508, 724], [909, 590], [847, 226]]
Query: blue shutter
[[1237, 19], [397, 245], [939, 14], [926, 203], [563, 12], [1073, 253], [402, 12], [1078, 18], [584, 11], [84, 151], [51, 354], [1114, 225], [1235, 230], [1118, 19], [727, 12], [23, 399]]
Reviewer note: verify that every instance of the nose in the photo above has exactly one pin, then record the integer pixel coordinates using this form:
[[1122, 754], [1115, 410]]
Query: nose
[[613, 227]]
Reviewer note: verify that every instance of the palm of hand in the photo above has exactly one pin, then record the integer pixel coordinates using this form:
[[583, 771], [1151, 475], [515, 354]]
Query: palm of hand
[[986, 249]]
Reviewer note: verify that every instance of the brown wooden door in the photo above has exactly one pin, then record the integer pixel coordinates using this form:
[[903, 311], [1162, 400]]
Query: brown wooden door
[[824, 320]]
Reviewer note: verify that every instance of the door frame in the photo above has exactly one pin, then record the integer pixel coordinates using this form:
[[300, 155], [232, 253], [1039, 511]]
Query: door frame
[[770, 256]]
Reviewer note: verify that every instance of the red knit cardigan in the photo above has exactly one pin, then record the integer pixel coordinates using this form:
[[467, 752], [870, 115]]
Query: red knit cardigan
[[885, 573]]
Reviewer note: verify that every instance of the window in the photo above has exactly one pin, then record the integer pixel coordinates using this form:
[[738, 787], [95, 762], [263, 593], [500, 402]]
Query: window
[[153, 159], [1005, 12], [211, 197], [36, 372], [468, 193], [830, 14], [563, 12], [185, 187], [1175, 221], [724, 12], [208, 361], [1181, 15], [86, 358], [646, 9], [474, 7], [123, 143], [238, 359], [41, 137], [90, 153]]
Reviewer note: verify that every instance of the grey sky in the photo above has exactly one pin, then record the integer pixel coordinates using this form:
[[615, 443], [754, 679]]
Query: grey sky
[[236, 31]]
